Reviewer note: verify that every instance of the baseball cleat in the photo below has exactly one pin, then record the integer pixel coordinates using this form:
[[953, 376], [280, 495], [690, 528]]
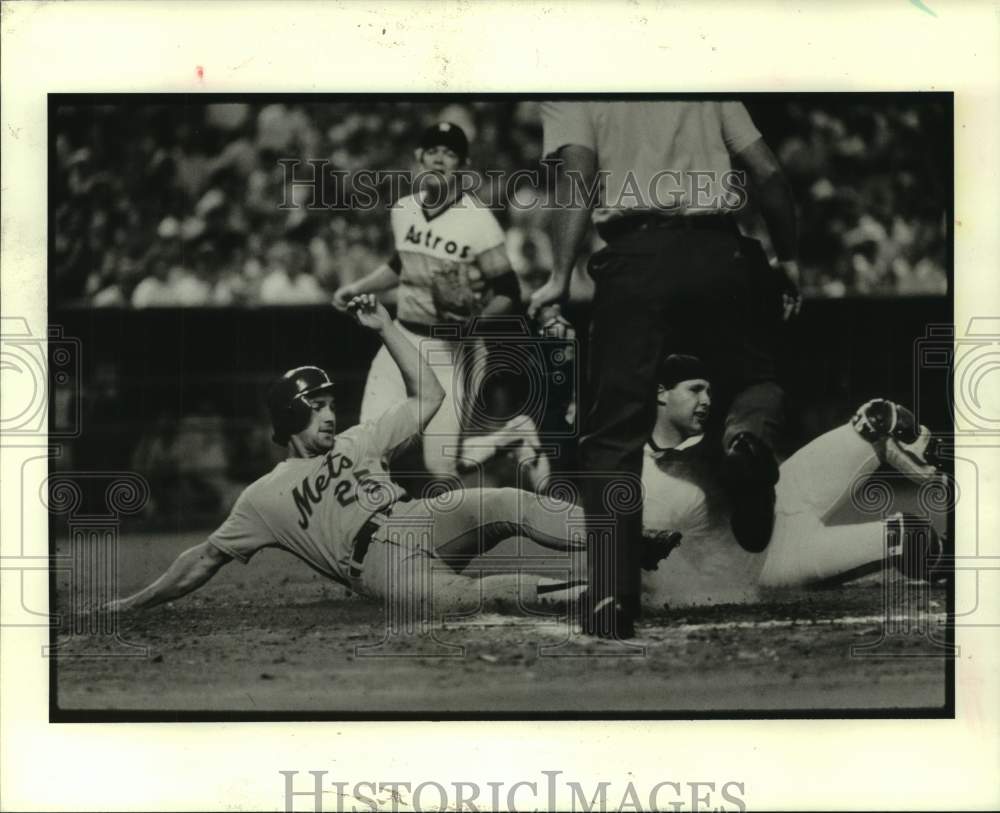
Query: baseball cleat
[[918, 460], [880, 418]]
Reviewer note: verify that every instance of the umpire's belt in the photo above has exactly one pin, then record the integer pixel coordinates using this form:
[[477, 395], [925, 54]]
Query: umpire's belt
[[363, 538], [613, 231]]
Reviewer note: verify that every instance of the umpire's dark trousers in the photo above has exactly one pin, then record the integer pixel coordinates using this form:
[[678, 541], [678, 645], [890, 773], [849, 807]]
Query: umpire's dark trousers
[[667, 287]]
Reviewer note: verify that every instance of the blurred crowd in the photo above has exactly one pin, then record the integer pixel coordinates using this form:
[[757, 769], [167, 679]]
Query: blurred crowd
[[187, 205], [872, 184]]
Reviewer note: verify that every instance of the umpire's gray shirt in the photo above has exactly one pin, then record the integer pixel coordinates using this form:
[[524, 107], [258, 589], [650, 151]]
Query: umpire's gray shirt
[[665, 157]]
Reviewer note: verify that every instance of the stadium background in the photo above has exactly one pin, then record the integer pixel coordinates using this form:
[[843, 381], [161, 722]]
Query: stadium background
[[170, 257]]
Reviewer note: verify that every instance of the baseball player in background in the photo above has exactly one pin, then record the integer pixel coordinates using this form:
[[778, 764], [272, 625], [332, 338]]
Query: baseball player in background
[[822, 535], [676, 276], [450, 265], [332, 504]]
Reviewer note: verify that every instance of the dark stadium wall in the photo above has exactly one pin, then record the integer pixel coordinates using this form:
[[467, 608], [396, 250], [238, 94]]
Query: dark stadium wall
[[148, 375]]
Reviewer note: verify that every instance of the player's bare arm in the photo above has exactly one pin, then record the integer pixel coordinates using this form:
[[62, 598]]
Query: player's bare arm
[[778, 209], [190, 570], [422, 385], [574, 178], [376, 281]]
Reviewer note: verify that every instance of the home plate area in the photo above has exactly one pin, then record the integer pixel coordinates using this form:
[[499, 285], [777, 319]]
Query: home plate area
[[273, 637]]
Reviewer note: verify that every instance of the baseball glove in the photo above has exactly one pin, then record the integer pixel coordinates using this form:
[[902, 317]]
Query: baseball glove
[[455, 293]]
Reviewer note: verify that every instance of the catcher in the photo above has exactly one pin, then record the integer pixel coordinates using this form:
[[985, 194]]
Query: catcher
[[863, 494], [332, 504]]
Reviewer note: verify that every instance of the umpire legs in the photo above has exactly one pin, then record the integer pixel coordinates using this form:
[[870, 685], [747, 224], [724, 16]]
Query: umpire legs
[[682, 291], [626, 341]]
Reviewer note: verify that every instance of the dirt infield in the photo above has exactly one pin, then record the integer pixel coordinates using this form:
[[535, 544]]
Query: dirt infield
[[275, 637]]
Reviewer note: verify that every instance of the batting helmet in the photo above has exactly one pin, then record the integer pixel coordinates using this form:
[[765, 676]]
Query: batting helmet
[[286, 400], [446, 134]]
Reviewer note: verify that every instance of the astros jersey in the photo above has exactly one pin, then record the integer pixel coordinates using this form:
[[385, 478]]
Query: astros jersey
[[314, 507], [434, 255]]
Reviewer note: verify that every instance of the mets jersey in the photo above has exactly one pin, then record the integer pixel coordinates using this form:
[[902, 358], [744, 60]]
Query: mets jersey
[[433, 255], [314, 507]]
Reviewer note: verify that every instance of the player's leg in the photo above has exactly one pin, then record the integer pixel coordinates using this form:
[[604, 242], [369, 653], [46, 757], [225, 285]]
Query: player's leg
[[442, 437], [804, 551], [416, 560], [821, 477], [384, 388], [478, 589], [739, 334], [472, 364], [829, 512], [628, 326], [830, 475], [519, 439], [825, 555], [486, 517], [470, 523], [815, 484]]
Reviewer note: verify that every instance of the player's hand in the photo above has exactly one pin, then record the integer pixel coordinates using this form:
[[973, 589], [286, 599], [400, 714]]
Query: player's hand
[[119, 606], [552, 292], [369, 312], [791, 297], [553, 325], [343, 295], [476, 280]]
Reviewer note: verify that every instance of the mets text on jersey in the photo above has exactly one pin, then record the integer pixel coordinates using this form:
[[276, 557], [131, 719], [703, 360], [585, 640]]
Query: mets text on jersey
[[309, 493]]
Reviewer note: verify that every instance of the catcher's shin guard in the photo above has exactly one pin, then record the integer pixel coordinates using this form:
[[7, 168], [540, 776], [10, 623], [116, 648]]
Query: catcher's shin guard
[[919, 460], [915, 548]]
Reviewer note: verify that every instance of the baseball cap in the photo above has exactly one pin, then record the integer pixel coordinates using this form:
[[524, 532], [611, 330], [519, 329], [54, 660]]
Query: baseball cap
[[678, 367], [446, 134]]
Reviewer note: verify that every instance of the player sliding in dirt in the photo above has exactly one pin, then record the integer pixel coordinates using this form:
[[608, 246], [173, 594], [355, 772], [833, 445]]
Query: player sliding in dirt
[[829, 525], [332, 504]]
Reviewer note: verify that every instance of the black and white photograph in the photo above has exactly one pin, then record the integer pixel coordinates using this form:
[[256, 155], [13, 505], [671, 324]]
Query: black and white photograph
[[469, 406], [553, 406]]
